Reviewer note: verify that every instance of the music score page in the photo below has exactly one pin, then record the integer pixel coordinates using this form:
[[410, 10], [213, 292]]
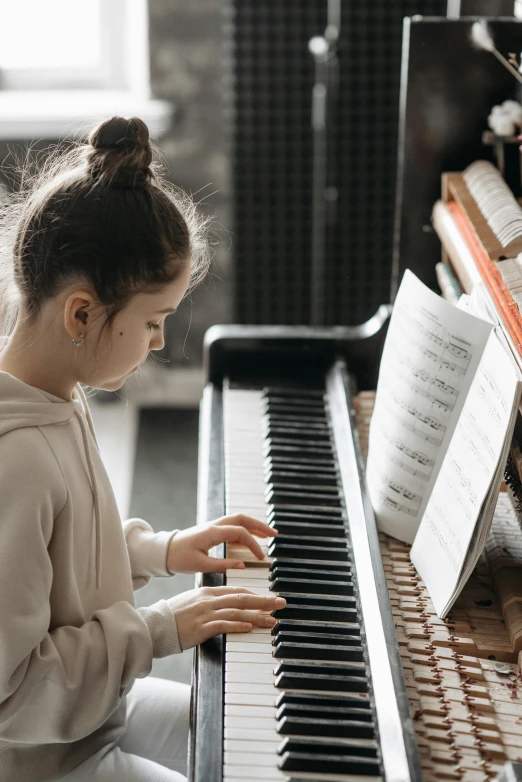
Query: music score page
[[431, 354], [457, 519]]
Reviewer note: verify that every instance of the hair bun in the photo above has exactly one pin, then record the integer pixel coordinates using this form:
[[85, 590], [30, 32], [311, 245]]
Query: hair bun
[[120, 152]]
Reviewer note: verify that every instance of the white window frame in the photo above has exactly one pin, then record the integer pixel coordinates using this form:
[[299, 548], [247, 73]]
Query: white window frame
[[57, 103]]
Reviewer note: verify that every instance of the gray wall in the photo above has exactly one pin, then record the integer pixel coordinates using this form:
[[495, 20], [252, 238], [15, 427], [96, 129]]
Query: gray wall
[[185, 47]]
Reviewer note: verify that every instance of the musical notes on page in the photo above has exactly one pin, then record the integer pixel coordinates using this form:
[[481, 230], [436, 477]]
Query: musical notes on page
[[457, 516], [430, 357]]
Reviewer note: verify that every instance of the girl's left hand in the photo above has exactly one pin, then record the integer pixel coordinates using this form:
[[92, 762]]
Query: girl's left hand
[[188, 549]]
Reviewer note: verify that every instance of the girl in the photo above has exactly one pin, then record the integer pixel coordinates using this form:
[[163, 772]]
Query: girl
[[99, 251]]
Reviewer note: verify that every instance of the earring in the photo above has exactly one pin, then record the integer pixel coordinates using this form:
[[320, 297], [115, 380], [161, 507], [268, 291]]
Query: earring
[[80, 342]]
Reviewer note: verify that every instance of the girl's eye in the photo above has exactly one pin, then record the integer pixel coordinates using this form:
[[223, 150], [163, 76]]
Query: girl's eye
[[154, 326]]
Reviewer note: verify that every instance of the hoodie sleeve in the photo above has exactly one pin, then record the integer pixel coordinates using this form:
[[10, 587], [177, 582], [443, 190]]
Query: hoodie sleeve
[[58, 685], [147, 551]]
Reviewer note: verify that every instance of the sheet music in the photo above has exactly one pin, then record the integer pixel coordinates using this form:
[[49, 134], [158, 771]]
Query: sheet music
[[456, 522], [430, 357]]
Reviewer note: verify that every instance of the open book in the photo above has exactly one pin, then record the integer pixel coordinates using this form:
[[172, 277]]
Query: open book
[[445, 410]]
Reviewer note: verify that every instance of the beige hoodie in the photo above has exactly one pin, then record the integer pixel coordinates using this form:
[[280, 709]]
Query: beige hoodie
[[71, 640]]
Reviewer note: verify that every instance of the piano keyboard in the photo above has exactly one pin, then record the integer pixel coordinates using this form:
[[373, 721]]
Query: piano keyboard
[[297, 702]]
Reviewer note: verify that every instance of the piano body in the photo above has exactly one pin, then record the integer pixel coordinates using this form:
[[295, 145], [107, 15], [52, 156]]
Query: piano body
[[359, 680], [322, 696]]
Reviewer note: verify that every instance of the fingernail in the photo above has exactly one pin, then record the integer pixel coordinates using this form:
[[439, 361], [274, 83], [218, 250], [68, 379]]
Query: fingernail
[[270, 621], [280, 601], [240, 566]]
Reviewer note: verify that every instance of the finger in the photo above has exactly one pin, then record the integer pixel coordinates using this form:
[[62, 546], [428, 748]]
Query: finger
[[239, 615], [222, 626], [228, 590], [259, 528], [237, 535], [245, 601]]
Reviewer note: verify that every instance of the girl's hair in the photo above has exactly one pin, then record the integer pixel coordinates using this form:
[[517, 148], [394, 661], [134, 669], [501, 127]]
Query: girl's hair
[[101, 213]]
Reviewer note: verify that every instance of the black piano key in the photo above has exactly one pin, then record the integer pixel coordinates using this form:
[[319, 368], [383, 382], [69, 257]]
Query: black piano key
[[297, 443], [303, 449], [316, 666], [293, 725], [315, 499], [333, 764], [287, 394], [323, 601], [307, 485], [331, 710], [296, 610], [299, 407], [299, 462], [294, 422], [318, 777], [307, 528], [317, 651], [287, 431], [291, 562], [327, 700], [296, 551], [314, 574], [364, 748], [318, 540], [316, 587], [300, 466], [294, 391], [314, 413], [295, 674], [327, 628], [296, 478], [300, 636], [301, 512], [295, 680], [283, 434]]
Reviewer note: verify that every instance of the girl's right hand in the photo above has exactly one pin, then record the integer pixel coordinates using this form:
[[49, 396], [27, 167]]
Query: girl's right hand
[[208, 611]]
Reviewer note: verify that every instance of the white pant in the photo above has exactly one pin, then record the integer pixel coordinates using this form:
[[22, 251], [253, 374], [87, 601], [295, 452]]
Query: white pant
[[155, 743]]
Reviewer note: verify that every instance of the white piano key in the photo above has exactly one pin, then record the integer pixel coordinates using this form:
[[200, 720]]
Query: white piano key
[[249, 698], [233, 745], [247, 710], [253, 635], [256, 676], [244, 574], [251, 774], [260, 759], [233, 646], [254, 723], [268, 734], [254, 689], [253, 658], [244, 554]]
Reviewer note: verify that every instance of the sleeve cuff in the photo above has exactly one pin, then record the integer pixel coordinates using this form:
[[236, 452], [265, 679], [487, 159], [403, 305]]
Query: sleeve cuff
[[163, 630], [147, 549]]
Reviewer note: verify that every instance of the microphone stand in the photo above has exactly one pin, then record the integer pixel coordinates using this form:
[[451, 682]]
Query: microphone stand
[[324, 192]]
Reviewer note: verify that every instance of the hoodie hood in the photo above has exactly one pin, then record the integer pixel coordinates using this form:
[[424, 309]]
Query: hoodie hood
[[23, 405]]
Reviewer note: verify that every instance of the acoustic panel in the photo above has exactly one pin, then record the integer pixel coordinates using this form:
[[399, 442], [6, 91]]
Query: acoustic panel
[[269, 81]]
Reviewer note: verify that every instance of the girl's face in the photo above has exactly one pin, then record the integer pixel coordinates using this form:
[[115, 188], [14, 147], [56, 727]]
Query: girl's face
[[134, 332]]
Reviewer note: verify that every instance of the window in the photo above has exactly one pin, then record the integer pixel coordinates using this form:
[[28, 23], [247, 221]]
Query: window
[[65, 63]]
